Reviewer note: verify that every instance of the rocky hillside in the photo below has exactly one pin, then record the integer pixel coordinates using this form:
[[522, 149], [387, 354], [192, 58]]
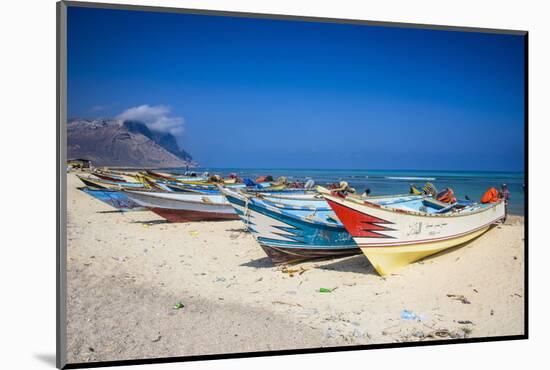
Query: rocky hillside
[[117, 143]]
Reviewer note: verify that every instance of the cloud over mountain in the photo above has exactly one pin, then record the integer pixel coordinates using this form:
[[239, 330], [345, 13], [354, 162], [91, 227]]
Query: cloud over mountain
[[156, 118]]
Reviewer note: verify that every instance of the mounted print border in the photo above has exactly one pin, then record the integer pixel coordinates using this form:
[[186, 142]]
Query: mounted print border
[[385, 231]]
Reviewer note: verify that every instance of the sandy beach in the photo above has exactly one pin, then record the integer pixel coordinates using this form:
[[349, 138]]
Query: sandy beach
[[126, 271]]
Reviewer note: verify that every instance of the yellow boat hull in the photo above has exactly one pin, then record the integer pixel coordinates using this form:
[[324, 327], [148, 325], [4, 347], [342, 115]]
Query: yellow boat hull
[[388, 259]]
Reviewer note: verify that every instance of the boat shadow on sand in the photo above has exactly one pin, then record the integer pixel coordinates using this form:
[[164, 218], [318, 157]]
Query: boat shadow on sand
[[263, 262], [358, 264], [152, 222]]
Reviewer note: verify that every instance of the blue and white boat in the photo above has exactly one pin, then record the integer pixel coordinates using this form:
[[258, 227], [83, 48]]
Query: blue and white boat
[[194, 188], [292, 230]]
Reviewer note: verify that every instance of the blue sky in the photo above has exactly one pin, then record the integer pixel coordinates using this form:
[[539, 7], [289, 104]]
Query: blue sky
[[242, 92]]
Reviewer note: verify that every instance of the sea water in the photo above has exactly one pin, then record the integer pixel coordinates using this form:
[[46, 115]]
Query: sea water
[[387, 182]]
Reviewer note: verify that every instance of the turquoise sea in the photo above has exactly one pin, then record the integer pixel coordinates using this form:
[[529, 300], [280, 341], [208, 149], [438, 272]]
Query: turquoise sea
[[384, 182]]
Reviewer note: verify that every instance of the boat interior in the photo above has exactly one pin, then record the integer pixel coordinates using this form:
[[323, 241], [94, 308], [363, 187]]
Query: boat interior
[[426, 204]]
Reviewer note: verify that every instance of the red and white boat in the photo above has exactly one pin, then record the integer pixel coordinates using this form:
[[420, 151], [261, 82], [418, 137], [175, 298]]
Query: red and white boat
[[184, 207], [394, 232]]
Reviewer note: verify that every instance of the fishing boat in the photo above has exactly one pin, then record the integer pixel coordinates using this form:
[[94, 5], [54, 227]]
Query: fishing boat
[[160, 176], [184, 207], [108, 177], [294, 231], [198, 188], [279, 188], [106, 184], [207, 181], [114, 198], [175, 178], [285, 196], [396, 231]]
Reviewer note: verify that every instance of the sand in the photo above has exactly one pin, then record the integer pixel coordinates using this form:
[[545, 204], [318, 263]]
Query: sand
[[126, 271]]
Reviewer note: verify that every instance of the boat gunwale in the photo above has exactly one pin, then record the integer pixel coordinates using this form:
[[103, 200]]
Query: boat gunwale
[[314, 197], [148, 193], [368, 204], [285, 207], [101, 182], [242, 197], [305, 246]]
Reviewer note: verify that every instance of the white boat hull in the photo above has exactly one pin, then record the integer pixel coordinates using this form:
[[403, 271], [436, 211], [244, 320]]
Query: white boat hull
[[393, 238], [181, 207]]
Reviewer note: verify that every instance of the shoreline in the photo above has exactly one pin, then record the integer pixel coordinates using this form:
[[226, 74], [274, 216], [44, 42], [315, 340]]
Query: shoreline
[[127, 270]]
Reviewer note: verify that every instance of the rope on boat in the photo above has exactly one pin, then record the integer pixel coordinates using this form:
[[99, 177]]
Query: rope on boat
[[247, 214]]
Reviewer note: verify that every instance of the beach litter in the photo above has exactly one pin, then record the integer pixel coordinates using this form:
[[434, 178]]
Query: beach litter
[[178, 306], [194, 233], [446, 333], [291, 272], [441, 333], [459, 297], [465, 322], [327, 290], [409, 315], [331, 333], [287, 303]]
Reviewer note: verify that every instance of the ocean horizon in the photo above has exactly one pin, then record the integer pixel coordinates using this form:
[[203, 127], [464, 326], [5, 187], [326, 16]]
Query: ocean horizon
[[471, 183]]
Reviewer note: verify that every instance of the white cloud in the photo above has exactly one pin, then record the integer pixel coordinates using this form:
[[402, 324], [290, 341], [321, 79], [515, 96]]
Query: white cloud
[[156, 118]]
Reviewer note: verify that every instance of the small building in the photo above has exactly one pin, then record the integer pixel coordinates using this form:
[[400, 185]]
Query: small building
[[79, 163]]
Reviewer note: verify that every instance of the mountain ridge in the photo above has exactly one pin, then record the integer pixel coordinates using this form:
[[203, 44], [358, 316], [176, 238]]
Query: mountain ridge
[[124, 143]]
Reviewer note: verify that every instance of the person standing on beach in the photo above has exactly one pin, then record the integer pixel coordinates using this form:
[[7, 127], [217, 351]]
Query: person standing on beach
[[366, 193], [505, 194]]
